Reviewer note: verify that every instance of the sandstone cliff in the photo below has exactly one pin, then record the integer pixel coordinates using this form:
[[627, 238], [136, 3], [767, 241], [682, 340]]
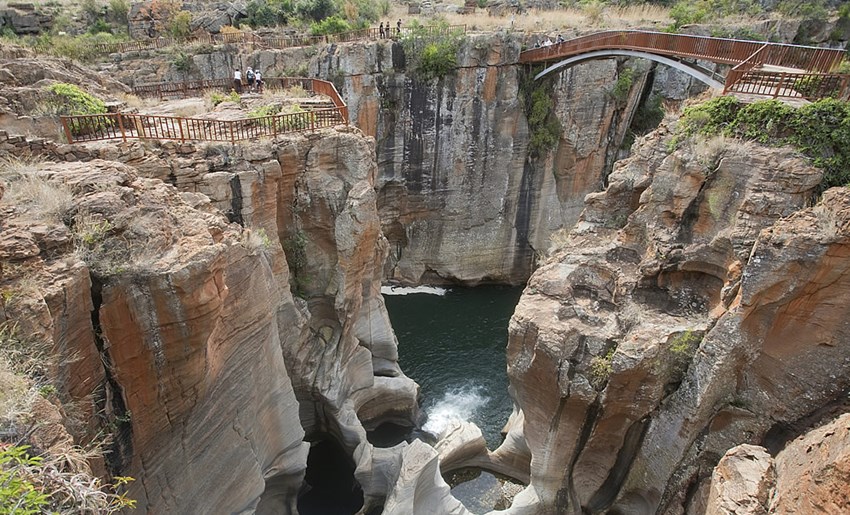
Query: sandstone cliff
[[698, 304], [203, 343], [460, 199]]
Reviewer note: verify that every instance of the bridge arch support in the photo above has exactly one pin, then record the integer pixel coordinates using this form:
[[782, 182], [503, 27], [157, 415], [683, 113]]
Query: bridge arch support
[[692, 70]]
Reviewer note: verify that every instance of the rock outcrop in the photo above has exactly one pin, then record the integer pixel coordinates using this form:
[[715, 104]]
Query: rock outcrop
[[205, 345], [810, 475], [698, 304]]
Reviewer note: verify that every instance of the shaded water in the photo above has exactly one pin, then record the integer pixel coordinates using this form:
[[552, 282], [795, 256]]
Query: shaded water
[[453, 345]]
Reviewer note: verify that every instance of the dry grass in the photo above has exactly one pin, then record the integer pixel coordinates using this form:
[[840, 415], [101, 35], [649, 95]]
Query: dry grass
[[31, 191], [710, 151], [551, 22], [558, 240]]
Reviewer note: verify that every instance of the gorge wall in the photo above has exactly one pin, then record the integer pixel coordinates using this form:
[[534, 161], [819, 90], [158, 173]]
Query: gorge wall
[[459, 198]]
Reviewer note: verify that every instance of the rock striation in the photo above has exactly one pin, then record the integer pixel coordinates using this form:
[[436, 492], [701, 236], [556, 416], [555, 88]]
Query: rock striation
[[459, 198], [697, 304], [197, 340]]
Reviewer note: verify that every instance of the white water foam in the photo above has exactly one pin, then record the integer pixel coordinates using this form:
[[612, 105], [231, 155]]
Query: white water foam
[[456, 405], [407, 290]]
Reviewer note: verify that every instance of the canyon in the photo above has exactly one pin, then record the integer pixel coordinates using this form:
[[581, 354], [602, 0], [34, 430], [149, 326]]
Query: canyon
[[218, 306]]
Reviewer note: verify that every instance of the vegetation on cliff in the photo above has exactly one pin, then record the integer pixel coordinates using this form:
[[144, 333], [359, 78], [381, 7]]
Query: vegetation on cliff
[[820, 130], [543, 126], [430, 51]]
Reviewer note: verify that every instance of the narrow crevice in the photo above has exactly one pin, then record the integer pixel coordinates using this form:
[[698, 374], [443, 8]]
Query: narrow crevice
[[235, 213], [110, 404], [607, 493], [782, 432]]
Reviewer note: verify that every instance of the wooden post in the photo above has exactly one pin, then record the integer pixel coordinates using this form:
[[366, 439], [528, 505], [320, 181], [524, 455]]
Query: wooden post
[[67, 129], [121, 127], [779, 84], [180, 123]]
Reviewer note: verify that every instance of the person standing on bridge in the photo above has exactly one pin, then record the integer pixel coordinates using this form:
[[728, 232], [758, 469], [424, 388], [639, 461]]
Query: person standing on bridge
[[381, 30], [398, 28]]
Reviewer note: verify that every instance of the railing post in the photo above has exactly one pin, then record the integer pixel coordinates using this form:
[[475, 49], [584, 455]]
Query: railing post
[[67, 129], [121, 127], [779, 84], [180, 123], [232, 133]]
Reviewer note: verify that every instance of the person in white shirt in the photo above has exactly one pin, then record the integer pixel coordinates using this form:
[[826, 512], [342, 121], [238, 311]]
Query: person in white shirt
[[237, 80], [258, 80]]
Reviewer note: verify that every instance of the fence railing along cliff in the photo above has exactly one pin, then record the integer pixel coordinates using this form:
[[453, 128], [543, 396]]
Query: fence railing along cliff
[[124, 126]]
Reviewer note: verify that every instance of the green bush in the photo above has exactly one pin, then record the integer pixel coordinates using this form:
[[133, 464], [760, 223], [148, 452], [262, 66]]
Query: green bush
[[269, 13], [179, 26], [431, 51], [623, 86], [330, 25], [687, 12], [69, 99], [315, 10], [819, 130]]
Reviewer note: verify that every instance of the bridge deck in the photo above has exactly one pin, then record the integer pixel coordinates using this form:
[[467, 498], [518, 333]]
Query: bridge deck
[[774, 67]]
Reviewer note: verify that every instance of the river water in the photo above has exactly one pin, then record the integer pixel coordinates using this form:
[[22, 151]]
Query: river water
[[452, 342]]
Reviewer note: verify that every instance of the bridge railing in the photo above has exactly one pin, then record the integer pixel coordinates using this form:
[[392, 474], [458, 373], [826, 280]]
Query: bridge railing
[[730, 51], [810, 86]]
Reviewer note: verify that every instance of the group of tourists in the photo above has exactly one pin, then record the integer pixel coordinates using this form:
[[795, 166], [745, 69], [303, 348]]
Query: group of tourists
[[549, 42], [385, 31], [253, 78]]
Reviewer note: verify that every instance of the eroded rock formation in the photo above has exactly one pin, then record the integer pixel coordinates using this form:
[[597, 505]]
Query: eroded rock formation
[[810, 475], [698, 304], [203, 343]]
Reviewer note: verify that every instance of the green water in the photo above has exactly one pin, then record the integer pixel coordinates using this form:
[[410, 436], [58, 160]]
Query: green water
[[454, 347]]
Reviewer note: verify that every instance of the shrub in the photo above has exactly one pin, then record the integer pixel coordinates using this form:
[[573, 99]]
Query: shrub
[[179, 26], [268, 13], [182, 61], [687, 12], [601, 368], [820, 130], [315, 10], [431, 51], [118, 12], [543, 126], [330, 25], [69, 99], [623, 86], [710, 117], [45, 484]]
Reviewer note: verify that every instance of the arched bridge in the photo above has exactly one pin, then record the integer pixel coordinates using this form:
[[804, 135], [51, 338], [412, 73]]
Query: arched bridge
[[758, 67]]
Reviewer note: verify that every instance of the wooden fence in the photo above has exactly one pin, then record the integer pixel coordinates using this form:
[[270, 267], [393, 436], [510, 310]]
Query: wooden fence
[[124, 126]]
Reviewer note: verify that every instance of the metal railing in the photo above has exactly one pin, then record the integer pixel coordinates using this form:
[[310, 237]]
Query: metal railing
[[810, 86], [190, 88], [805, 69], [124, 126], [719, 50]]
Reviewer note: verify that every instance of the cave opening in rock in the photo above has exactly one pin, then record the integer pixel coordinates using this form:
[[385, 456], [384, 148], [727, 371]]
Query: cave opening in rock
[[329, 484], [452, 342]]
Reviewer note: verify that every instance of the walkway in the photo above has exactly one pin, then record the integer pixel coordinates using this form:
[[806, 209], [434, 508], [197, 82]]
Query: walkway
[[124, 126], [773, 69]]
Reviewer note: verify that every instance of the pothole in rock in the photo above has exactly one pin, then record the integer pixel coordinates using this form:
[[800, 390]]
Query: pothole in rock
[[481, 491]]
